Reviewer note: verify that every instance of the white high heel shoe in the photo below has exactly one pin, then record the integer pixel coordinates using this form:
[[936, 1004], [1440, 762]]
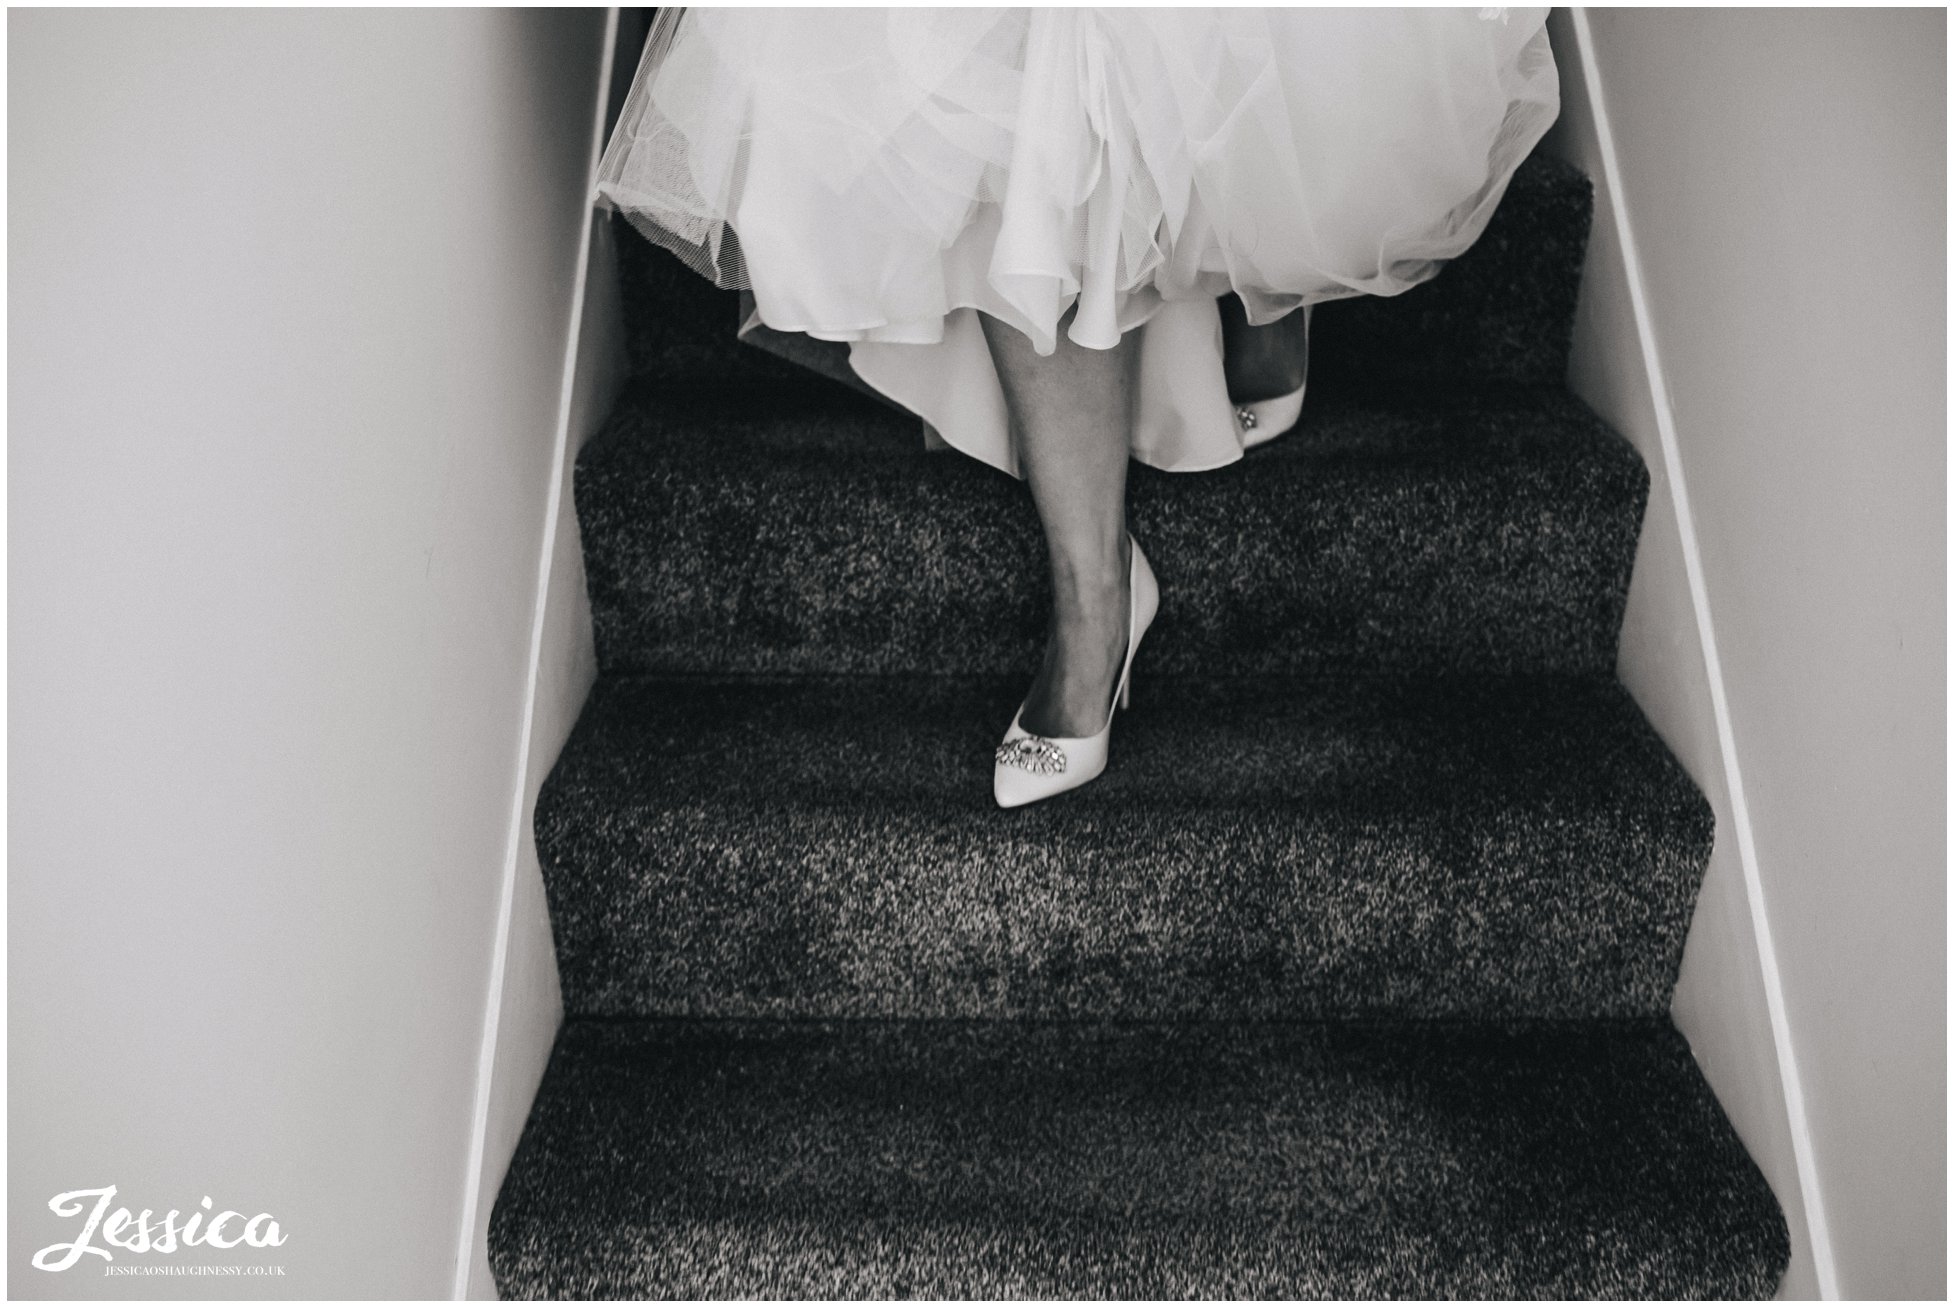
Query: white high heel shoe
[[1264, 420], [1037, 767]]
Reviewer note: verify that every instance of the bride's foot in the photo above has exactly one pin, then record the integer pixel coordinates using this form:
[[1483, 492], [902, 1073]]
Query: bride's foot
[[1084, 652], [1266, 368], [1032, 765]]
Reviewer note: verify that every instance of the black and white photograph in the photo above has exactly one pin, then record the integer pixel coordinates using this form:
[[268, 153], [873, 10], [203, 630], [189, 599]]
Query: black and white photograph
[[840, 653]]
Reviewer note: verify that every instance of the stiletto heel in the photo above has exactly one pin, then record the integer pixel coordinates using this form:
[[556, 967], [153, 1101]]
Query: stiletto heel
[[1032, 767]]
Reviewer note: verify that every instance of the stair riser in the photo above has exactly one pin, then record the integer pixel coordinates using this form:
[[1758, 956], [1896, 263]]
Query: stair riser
[[890, 562], [718, 850], [1079, 1161], [759, 914]]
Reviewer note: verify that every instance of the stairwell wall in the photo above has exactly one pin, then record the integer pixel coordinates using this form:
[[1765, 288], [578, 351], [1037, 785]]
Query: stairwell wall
[[1763, 315], [289, 296], [526, 995]]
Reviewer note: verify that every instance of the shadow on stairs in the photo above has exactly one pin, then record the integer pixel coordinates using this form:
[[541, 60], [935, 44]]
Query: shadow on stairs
[[1376, 1006]]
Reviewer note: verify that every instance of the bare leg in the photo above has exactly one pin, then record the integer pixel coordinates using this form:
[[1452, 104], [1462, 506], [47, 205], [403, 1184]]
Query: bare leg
[[1072, 411]]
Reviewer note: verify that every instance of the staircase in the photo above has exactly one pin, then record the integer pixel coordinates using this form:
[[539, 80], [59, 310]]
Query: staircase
[[1377, 1005]]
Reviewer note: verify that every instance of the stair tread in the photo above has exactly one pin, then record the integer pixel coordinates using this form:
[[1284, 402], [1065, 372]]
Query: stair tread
[[994, 1160], [1265, 848], [785, 530]]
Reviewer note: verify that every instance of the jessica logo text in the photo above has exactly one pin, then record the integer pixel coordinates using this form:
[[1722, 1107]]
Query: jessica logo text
[[127, 1231]]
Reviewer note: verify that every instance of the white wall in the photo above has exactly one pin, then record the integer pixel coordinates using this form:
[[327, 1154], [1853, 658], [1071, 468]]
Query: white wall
[[531, 1004], [529, 1008], [289, 296], [1782, 174]]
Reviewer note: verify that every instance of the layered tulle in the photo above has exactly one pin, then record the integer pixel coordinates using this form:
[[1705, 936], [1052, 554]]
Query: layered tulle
[[875, 175]]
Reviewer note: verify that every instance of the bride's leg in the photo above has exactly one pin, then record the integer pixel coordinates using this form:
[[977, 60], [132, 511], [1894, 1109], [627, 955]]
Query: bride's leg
[[1072, 411]]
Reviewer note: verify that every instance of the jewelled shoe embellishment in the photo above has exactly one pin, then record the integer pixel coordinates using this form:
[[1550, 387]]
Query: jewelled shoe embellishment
[[1033, 754]]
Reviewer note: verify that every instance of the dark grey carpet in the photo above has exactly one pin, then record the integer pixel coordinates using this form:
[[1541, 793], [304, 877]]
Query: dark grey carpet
[[798, 531], [1004, 1160], [1350, 976], [1263, 849]]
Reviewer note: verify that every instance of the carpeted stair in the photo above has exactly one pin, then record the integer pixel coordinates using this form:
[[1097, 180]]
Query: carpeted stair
[[1351, 976]]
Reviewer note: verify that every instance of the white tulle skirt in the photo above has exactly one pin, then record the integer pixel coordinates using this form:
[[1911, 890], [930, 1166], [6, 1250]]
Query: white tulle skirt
[[879, 176]]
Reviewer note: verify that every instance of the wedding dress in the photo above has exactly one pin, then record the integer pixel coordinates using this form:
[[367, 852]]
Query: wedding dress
[[879, 176]]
